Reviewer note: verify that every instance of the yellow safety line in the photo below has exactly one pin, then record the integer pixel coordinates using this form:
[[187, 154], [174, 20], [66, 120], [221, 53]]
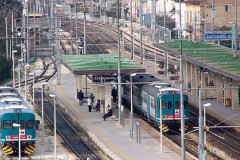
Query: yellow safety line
[[90, 124]]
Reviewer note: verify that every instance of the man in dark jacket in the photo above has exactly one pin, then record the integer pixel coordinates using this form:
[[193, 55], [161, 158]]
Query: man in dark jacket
[[80, 97], [92, 98], [114, 94], [108, 114]]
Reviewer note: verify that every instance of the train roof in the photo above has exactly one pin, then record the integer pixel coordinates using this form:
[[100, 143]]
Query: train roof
[[8, 94], [12, 102], [144, 77], [10, 99], [154, 90]]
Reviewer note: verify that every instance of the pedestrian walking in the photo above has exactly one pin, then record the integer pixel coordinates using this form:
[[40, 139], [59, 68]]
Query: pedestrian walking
[[89, 104], [80, 97], [114, 94]]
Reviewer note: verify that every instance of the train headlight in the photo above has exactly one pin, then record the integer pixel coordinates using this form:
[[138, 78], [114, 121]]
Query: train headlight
[[7, 137], [29, 137]]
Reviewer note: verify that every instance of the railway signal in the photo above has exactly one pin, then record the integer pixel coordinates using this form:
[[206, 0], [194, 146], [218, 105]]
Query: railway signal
[[19, 29], [206, 147], [206, 129]]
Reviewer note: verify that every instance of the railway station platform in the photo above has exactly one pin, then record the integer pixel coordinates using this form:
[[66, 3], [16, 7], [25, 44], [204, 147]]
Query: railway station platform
[[223, 113], [113, 137]]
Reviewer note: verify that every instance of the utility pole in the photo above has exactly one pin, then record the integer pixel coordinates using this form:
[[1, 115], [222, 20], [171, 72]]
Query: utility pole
[[77, 52], [200, 122], [34, 21], [85, 43], [84, 29], [153, 19], [131, 19], [213, 15], [28, 54], [141, 26], [122, 13], [12, 40], [181, 86], [119, 66], [164, 21], [235, 31], [104, 11], [195, 30], [6, 19]]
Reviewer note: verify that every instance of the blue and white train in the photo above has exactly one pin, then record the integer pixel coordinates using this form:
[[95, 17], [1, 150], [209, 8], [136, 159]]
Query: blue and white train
[[15, 112], [147, 91]]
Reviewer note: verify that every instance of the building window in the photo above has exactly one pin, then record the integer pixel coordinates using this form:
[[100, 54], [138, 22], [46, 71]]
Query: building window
[[226, 8]]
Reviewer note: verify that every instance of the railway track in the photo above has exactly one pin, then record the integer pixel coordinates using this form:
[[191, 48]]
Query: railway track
[[102, 37], [64, 128], [221, 140]]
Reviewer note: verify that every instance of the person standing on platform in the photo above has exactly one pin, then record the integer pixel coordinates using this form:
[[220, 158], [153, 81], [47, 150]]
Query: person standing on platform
[[97, 108], [108, 114], [89, 104], [114, 94], [92, 98], [80, 97]]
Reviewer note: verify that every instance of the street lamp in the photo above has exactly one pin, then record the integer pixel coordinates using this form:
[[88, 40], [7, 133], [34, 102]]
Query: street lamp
[[32, 74], [19, 140], [55, 131], [42, 85], [26, 66], [19, 75], [131, 114], [15, 51], [205, 133]]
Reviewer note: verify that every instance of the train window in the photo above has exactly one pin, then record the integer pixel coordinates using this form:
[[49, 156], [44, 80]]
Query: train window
[[164, 104], [14, 121], [30, 124], [22, 124], [177, 105], [185, 104], [152, 102], [6, 124], [145, 99], [169, 105]]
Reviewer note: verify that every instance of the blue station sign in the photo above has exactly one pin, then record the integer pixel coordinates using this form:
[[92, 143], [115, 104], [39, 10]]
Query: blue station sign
[[218, 36], [109, 78]]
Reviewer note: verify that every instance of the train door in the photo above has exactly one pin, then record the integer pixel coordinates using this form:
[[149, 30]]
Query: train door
[[167, 102], [176, 107], [148, 107], [14, 119], [27, 121]]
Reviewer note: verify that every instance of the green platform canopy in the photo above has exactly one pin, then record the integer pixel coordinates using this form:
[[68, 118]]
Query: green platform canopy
[[98, 64]]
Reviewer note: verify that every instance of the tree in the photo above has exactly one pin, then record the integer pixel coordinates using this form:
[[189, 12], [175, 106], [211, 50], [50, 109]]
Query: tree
[[170, 24], [5, 68], [7, 7], [113, 10]]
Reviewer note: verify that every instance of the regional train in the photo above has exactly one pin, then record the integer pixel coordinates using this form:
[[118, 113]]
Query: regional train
[[15, 113], [147, 91]]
